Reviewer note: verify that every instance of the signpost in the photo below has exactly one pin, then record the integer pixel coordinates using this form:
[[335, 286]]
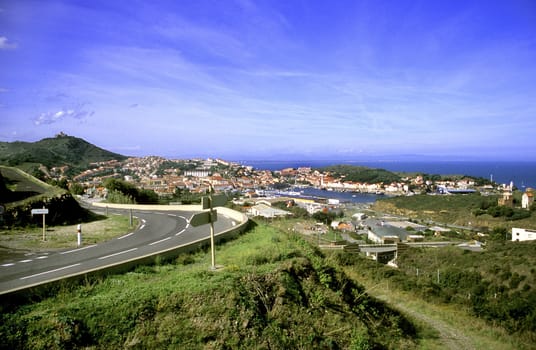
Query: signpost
[[209, 217], [43, 212]]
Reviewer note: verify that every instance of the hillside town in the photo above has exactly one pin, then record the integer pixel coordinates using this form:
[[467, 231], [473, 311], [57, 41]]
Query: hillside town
[[165, 176]]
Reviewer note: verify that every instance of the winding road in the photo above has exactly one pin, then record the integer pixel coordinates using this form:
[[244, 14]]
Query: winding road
[[158, 231]]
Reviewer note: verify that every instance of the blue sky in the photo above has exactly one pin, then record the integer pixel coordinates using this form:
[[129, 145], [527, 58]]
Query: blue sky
[[242, 79]]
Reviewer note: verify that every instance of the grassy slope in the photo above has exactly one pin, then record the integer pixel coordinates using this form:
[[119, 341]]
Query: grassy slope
[[276, 291], [23, 187], [25, 192], [503, 294]]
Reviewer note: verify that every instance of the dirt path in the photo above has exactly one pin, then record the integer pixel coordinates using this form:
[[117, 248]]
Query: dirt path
[[450, 337]]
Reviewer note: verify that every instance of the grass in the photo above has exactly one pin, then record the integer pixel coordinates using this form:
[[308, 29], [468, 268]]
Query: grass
[[275, 291], [59, 237], [24, 188], [455, 319]]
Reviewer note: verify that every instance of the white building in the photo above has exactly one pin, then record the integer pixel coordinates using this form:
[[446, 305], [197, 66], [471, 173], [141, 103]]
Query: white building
[[267, 211], [521, 234]]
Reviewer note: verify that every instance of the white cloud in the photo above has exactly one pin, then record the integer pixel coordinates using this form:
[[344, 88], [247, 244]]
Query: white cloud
[[5, 44], [53, 117]]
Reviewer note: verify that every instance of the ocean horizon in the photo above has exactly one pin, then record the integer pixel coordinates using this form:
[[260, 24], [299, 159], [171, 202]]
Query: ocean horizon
[[521, 173]]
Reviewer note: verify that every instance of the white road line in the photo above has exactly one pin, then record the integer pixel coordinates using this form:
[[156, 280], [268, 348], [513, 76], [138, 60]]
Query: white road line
[[123, 252], [142, 226], [125, 236], [79, 249], [8, 265], [160, 241], [181, 231], [42, 257], [44, 273], [26, 261], [172, 215]]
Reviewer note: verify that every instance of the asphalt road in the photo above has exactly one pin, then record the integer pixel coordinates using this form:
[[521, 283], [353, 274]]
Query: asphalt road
[[157, 232]]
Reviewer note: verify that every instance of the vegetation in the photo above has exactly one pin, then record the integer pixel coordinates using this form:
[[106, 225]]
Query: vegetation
[[58, 151], [275, 292], [120, 191], [497, 285], [471, 210], [22, 193], [99, 229], [361, 174]]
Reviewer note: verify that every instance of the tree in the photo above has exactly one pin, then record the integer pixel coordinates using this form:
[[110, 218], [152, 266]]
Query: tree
[[76, 188], [325, 216]]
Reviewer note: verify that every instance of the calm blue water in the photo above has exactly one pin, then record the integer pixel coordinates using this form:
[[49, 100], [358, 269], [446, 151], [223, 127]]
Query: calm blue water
[[523, 174]]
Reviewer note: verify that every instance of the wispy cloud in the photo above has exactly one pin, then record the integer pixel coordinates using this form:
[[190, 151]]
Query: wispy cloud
[[6, 44], [77, 112]]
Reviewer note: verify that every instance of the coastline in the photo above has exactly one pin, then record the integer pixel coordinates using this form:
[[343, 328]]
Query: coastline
[[521, 173]]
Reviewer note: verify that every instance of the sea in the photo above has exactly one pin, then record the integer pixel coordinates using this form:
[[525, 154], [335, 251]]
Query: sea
[[521, 173]]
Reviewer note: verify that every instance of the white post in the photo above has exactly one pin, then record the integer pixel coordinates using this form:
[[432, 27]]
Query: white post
[[212, 239], [79, 234], [44, 226]]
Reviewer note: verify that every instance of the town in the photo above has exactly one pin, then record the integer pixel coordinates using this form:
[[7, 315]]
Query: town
[[165, 176], [256, 190]]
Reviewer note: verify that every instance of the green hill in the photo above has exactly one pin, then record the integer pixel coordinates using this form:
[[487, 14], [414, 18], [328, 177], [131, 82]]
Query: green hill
[[21, 192], [57, 151], [361, 174]]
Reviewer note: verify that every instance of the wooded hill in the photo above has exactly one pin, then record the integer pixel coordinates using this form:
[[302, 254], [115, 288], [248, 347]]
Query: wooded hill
[[57, 151], [361, 174]]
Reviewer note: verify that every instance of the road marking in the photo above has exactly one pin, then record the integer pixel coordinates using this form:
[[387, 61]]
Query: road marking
[[172, 215], [142, 226], [233, 223], [125, 236], [42, 257], [160, 241], [123, 252], [181, 231], [76, 250], [26, 261], [51, 271], [8, 265]]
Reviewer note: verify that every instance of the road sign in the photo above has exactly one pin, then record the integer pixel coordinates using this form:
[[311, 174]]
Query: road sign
[[203, 218], [218, 200], [39, 211]]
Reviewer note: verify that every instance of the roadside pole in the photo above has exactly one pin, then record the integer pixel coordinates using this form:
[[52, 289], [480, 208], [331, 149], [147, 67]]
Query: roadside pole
[[209, 217], [79, 235], [212, 249]]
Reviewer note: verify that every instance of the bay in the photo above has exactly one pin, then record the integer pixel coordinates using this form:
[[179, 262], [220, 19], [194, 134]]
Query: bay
[[522, 174]]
